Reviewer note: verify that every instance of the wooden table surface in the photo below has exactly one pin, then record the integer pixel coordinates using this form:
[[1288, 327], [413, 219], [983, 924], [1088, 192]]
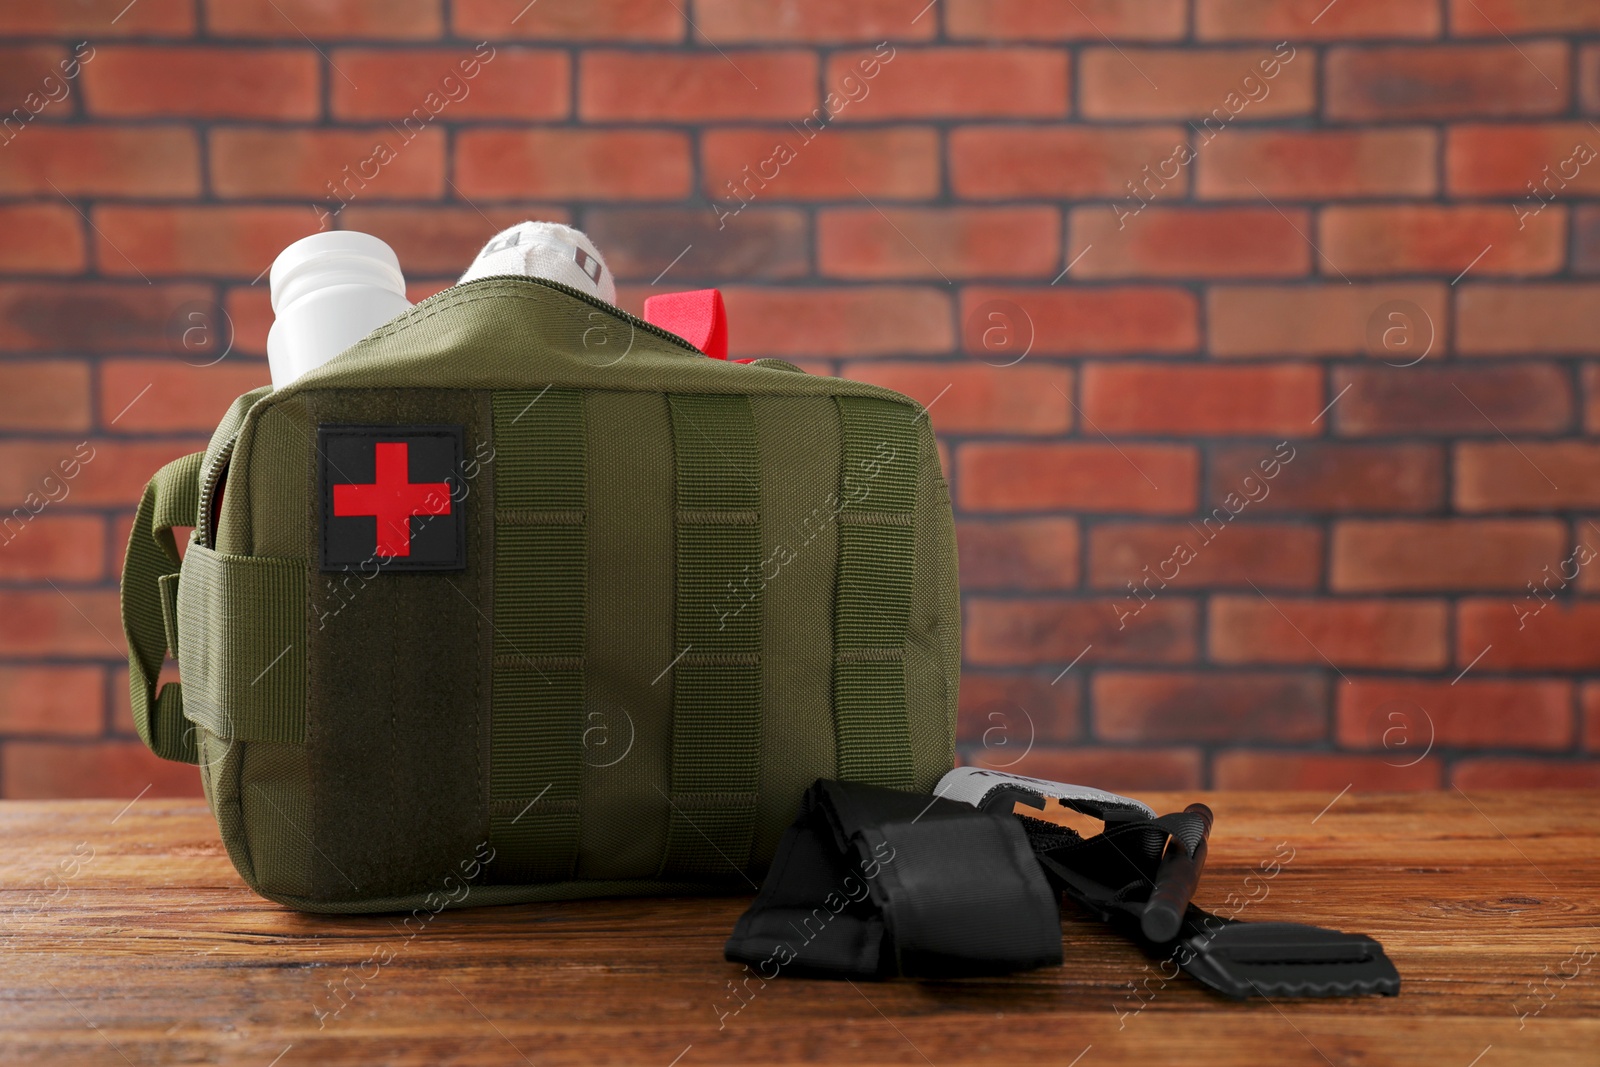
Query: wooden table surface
[[129, 939]]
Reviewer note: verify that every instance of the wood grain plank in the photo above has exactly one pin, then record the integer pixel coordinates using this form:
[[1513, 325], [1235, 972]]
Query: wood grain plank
[[152, 951]]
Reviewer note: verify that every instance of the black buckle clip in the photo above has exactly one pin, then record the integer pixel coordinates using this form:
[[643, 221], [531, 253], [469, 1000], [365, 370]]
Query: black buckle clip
[[1286, 960]]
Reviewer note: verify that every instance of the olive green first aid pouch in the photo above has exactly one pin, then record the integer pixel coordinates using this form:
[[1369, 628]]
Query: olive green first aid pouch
[[522, 598]]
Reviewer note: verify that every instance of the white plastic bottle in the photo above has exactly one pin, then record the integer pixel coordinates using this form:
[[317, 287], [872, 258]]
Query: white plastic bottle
[[329, 291]]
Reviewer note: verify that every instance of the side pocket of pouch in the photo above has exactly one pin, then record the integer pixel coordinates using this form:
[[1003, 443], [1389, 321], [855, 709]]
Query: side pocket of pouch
[[241, 624]]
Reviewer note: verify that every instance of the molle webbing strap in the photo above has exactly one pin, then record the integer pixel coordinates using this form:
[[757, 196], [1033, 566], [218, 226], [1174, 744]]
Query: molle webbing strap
[[540, 566], [872, 602], [716, 678], [171, 499]]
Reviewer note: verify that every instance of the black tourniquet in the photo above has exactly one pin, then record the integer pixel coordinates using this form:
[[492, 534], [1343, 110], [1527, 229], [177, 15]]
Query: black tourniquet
[[875, 883]]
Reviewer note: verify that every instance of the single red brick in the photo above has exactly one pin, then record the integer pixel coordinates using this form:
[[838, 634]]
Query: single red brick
[[1082, 477], [62, 622], [1486, 401], [101, 161], [1130, 770], [868, 242], [1077, 321], [752, 164], [1022, 554], [1520, 635], [1322, 772], [592, 20], [52, 701], [1181, 555], [195, 239], [1318, 165], [41, 238], [1407, 717], [1020, 633], [1422, 82], [1005, 714], [964, 398], [1509, 773], [1316, 477], [320, 20], [1400, 634], [646, 86], [1331, 319], [52, 546], [44, 395], [1217, 87], [34, 85], [1495, 18], [1442, 555], [742, 21], [948, 82], [168, 395], [1532, 476], [91, 316], [102, 18], [1127, 240], [119, 769], [91, 473], [455, 83], [689, 242], [1002, 162], [249, 311], [1145, 398], [1082, 20], [444, 238], [838, 322], [332, 167], [1441, 239], [572, 163], [1225, 706], [166, 82], [1309, 20], [1527, 319], [1535, 164]]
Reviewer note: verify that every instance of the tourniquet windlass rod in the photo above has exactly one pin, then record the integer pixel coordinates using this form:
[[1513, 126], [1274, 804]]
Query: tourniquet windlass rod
[[1176, 878]]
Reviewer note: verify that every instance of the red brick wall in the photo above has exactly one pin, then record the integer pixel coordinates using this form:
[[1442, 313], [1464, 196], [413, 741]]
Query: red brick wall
[[1136, 255]]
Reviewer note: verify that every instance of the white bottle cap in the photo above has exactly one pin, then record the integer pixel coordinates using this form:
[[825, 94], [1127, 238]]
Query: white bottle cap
[[334, 257], [546, 250]]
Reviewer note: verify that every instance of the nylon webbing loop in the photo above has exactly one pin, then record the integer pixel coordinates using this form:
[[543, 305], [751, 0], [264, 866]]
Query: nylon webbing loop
[[716, 679], [172, 498], [872, 603], [540, 564]]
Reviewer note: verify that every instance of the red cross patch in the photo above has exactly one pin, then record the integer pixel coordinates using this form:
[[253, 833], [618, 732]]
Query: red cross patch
[[391, 497]]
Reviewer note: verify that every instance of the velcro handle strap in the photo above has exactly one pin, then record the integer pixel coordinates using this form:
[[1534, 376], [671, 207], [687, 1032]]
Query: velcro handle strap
[[172, 498]]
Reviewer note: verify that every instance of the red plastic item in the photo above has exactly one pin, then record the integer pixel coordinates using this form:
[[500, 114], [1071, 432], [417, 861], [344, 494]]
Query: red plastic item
[[698, 317]]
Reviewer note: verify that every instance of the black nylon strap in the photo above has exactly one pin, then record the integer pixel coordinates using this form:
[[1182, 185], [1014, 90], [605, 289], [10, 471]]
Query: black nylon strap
[[872, 882]]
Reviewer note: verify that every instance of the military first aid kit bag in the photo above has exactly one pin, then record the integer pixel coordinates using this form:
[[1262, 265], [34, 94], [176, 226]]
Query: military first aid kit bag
[[524, 593]]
